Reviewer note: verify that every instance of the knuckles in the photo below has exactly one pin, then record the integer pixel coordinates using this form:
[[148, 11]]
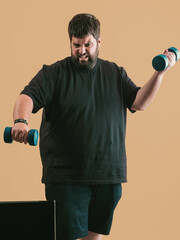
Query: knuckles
[[20, 135]]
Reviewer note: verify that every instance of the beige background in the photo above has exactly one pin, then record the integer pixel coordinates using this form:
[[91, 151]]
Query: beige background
[[34, 32]]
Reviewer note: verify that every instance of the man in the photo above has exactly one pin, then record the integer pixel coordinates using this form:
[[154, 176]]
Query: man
[[82, 134]]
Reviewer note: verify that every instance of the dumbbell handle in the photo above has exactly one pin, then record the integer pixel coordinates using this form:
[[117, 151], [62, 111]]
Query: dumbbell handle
[[160, 62], [32, 136]]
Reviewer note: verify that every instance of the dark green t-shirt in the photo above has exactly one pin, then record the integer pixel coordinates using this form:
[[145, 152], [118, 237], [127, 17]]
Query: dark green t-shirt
[[82, 134]]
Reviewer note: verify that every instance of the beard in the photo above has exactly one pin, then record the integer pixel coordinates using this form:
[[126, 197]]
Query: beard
[[83, 64]]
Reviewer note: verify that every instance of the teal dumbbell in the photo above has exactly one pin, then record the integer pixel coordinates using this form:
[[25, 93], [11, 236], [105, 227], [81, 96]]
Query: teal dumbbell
[[32, 136], [160, 62]]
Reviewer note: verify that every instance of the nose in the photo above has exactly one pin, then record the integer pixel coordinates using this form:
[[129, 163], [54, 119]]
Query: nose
[[82, 50]]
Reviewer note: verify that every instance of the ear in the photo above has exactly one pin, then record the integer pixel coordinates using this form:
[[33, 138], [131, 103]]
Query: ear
[[99, 41]]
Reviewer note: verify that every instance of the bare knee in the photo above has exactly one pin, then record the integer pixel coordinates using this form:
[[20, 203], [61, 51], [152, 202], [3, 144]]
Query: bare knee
[[92, 236]]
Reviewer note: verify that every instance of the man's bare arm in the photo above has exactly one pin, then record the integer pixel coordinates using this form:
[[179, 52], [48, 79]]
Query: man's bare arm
[[147, 93], [22, 110]]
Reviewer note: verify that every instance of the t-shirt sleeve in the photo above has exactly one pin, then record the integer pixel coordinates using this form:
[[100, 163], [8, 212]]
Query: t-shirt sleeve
[[41, 88], [130, 89]]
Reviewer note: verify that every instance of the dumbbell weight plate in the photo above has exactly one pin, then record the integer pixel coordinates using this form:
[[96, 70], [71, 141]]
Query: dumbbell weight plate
[[175, 51], [7, 135], [160, 62], [33, 137]]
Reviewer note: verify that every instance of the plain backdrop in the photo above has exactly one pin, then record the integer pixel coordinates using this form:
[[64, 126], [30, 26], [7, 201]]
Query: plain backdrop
[[33, 33]]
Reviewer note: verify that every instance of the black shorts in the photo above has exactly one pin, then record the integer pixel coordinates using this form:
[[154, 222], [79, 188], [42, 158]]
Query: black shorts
[[83, 208]]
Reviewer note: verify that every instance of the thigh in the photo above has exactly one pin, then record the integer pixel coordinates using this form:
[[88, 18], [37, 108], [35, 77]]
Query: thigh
[[103, 202], [72, 209]]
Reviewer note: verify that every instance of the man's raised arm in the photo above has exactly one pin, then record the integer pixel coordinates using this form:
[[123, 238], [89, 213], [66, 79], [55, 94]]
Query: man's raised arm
[[147, 93]]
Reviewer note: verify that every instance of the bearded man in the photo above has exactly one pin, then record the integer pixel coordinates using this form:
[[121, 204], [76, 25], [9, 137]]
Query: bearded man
[[82, 134]]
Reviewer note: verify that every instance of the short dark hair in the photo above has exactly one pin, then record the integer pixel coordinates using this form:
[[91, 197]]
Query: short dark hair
[[84, 24]]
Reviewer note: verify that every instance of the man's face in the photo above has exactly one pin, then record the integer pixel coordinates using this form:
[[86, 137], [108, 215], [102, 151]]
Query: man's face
[[85, 51]]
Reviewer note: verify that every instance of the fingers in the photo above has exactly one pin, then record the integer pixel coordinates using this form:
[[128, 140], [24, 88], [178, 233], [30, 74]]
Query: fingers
[[19, 133], [171, 58], [170, 55], [20, 136], [25, 139], [166, 51]]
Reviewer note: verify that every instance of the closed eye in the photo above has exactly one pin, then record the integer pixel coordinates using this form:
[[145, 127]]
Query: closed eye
[[76, 45], [88, 44]]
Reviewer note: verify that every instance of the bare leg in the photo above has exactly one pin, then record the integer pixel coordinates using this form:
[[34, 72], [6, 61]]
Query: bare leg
[[92, 236]]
